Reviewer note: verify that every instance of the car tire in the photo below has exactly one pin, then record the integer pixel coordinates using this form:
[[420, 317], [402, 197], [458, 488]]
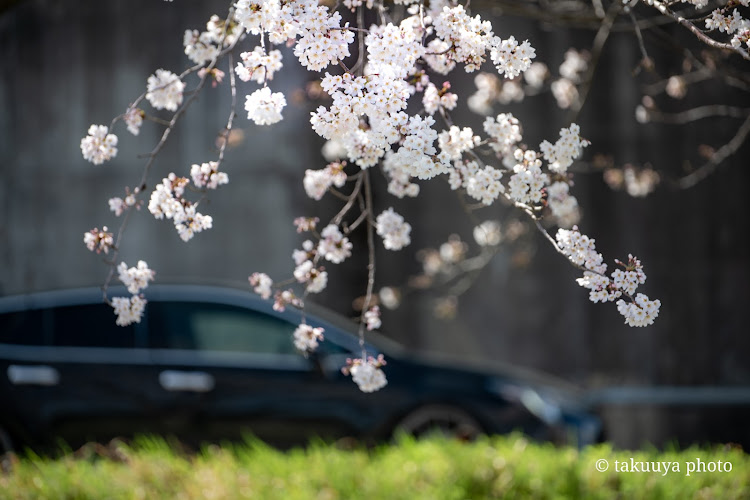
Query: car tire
[[439, 419]]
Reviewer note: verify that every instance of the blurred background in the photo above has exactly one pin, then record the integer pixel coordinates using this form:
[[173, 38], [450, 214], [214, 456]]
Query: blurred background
[[66, 65]]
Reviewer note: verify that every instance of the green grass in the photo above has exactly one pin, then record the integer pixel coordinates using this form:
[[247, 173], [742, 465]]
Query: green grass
[[498, 467]]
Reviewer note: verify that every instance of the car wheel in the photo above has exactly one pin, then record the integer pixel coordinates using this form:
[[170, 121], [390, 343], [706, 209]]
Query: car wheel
[[442, 420]]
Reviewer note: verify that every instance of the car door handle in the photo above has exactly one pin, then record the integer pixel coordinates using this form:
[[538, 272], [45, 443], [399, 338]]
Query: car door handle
[[33, 375], [175, 380]]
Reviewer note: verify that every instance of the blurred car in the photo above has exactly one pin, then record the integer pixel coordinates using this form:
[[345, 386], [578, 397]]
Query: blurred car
[[210, 363]]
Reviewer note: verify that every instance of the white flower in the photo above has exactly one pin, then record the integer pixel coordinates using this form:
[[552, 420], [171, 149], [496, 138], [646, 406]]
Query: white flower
[[316, 279], [308, 252], [567, 148], [133, 119], [164, 90], [165, 199], [528, 180], [372, 318], [262, 284], [389, 297], [334, 246], [135, 278], [99, 146], [306, 337], [98, 241], [563, 205], [208, 175], [484, 185], [574, 65], [317, 182], [264, 107], [368, 375], [189, 221], [487, 234], [642, 312], [128, 310], [510, 58], [536, 74], [455, 141], [258, 66], [565, 92], [394, 231], [504, 132], [580, 249]]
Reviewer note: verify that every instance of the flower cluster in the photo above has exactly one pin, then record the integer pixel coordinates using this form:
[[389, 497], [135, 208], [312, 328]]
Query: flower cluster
[[315, 278], [258, 66], [317, 182], [393, 229], [488, 234], [568, 147], [135, 278], [334, 246], [504, 133], [306, 337], [640, 312], [119, 205], [98, 241], [563, 205], [264, 107], [733, 24], [205, 46], [372, 318], [460, 39], [528, 180], [284, 298], [207, 175], [512, 58], [99, 146], [164, 90], [580, 249], [571, 71], [367, 374], [128, 309], [400, 184], [435, 99], [304, 224], [455, 141], [167, 201], [133, 118], [262, 284]]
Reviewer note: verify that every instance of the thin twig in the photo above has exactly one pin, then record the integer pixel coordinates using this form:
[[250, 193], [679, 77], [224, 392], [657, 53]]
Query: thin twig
[[719, 156], [370, 263]]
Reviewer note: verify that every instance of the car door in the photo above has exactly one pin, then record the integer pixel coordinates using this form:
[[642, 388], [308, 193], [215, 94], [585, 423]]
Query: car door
[[237, 371], [69, 372]]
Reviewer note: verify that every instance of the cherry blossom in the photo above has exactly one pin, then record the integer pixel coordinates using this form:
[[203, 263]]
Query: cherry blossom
[[264, 107], [129, 310], [99, 146], [306, 338], [135, 278], [165, 90]]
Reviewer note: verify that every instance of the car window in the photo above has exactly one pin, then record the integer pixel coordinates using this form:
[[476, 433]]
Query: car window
[[217, 327], [90, 325], [221, 327], [27, 327]]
